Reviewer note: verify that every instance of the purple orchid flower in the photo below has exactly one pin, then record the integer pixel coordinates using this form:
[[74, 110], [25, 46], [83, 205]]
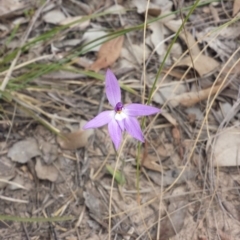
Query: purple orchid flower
[[122, 117]]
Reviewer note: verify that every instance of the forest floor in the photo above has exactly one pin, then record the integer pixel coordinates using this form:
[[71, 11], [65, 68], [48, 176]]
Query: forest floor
[[58, 181]]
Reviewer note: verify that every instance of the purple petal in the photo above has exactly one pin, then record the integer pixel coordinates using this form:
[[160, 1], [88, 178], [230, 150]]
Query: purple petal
[[137, 110], [100, 120], [121, 125], [115, 133], [132, 126], [113, 91]]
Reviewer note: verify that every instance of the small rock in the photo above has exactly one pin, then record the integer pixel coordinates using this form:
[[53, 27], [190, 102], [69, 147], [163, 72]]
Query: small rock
[[24, 150]]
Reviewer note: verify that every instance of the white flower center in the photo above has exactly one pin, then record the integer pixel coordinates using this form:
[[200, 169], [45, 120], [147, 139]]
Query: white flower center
[[119, 116]]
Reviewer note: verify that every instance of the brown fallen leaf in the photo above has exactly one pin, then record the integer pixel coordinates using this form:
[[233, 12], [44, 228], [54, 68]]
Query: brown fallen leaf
[[149, 161], [170, 118], [236, 7], [187, 37], [235, 70], [168, 91], [165, 150], [177, 74], [176, 134], [46, 172], [108, 54], [225, 151], [214, 13], [76, 139], [202, 64], [190, 98], [72, 140]]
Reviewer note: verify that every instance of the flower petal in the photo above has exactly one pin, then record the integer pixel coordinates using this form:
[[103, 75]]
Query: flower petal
[[132, 126], [121, 125], [115, 133], [113, 91], [100, 120], [137, 110]]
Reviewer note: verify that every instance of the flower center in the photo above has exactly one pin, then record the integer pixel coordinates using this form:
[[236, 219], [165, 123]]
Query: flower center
[[118, 108]]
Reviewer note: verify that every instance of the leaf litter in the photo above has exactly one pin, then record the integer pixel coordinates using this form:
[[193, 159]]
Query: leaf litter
[[108, 53], [188, 175]]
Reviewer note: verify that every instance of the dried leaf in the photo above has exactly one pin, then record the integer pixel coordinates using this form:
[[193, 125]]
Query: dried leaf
[[176, 134], [170, 118], [169, 90], [23, 151], [187, 37], [225, 150], [221, 40], [157, 37], [90, 36], [133, 55], [214, 13], [108, 54], [191, 98], [176, 53], [116, 9], [153, 9], [236, 7], [165, 150], [54, 17], [46, 172], [79, 25], [75, 140], [235, 70], [150, 162], [202, 64], [10, 6]]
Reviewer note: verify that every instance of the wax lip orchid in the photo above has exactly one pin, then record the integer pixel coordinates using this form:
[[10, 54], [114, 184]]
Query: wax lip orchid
[[123, 117]]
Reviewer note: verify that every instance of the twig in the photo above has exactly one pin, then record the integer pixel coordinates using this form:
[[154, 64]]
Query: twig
[[13, 199], [26, 232]]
